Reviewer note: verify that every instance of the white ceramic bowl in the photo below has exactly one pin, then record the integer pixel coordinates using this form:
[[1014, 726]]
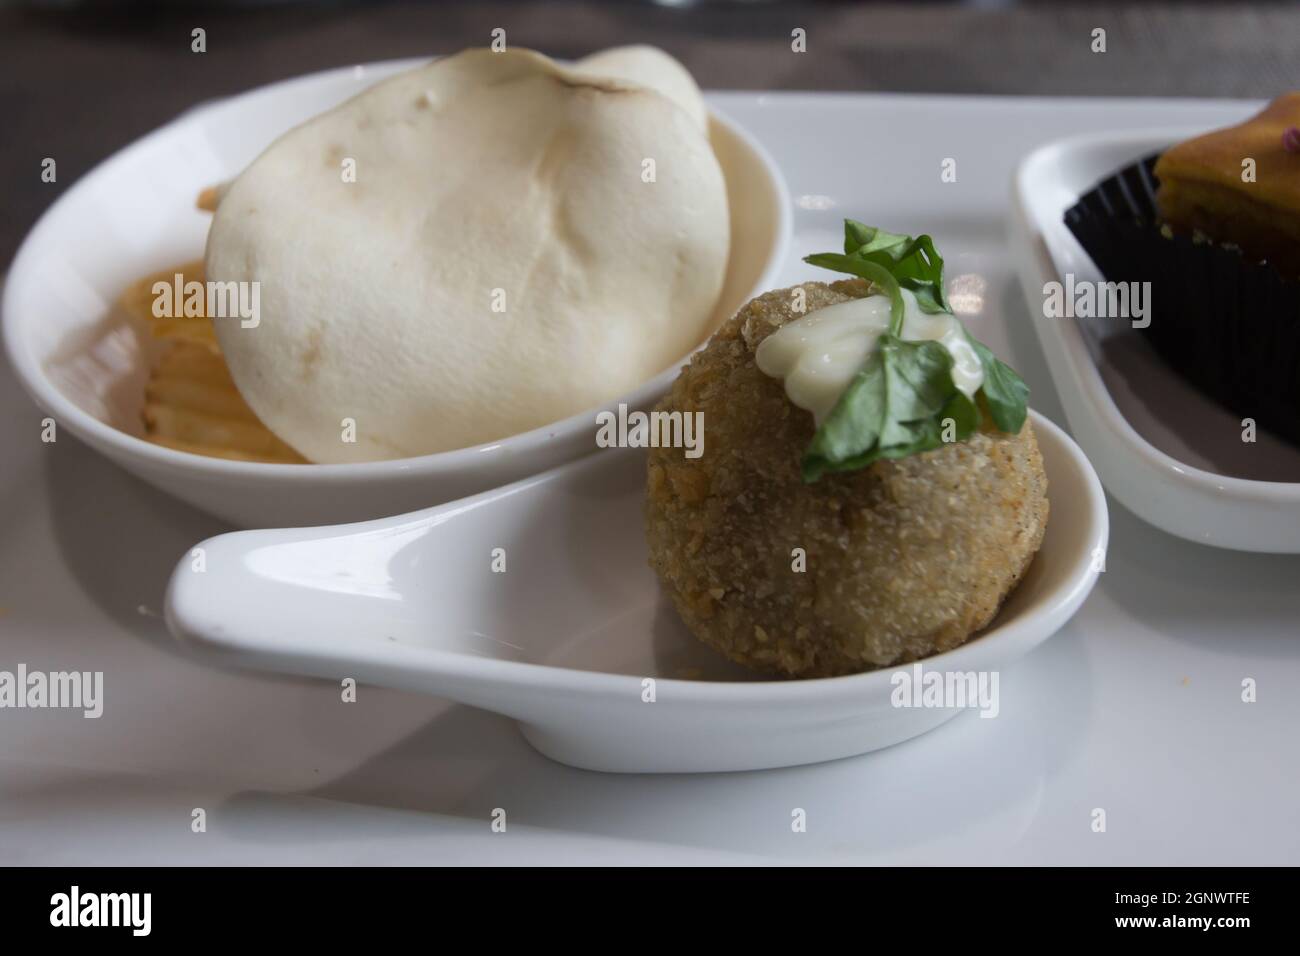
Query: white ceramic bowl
[[1171, 454], [85, 366], [564, 635]]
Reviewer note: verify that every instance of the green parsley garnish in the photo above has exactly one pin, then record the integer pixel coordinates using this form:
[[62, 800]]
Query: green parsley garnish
[[903, 400]]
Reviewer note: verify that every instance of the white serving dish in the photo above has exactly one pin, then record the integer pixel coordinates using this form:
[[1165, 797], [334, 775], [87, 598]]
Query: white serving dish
[[564, 639], [1135, 706], [134, 214], [1167, 452]]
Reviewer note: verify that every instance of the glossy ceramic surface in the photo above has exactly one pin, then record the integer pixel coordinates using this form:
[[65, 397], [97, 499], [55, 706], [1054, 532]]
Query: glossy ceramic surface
[[1171, 454], [85, 365], [536, 601]]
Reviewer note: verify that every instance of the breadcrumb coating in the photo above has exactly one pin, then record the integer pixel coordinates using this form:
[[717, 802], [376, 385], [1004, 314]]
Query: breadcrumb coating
[[900, 560]]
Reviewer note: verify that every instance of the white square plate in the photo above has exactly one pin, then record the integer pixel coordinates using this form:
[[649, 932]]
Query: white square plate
[[1135, 707]]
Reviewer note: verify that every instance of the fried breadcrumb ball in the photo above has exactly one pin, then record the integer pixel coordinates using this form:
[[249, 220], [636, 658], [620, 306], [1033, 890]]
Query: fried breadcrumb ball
[[900, 560]]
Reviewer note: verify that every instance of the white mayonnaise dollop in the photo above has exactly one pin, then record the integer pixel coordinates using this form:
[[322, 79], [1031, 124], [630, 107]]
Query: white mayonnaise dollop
[[818, 355]]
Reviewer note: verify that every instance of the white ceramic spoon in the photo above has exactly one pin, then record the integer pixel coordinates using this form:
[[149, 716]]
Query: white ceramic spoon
[[573, 635]]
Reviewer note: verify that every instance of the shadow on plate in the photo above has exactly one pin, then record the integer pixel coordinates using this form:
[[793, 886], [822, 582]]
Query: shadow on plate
[[119, 537], [965, 772], [1176, 418]]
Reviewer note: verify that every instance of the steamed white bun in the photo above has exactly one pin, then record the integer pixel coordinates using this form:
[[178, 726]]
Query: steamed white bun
[[498, 263], [652, 67]]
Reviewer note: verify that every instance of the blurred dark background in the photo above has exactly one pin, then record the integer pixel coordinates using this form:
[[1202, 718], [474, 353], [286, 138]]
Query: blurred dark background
[[80, 80]]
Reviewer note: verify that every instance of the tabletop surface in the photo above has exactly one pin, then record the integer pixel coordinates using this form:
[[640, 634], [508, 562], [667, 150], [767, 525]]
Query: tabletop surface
[[76, 86]]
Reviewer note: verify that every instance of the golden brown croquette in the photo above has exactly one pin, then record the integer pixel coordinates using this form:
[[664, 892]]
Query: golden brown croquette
[[856, 571]]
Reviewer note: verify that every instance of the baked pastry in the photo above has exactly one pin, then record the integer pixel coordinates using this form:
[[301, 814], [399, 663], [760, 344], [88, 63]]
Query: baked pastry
[[1208, 185], [1211, 228]]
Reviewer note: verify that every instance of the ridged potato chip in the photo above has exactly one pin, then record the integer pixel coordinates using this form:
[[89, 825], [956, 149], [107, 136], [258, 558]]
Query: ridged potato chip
[[191, 403]]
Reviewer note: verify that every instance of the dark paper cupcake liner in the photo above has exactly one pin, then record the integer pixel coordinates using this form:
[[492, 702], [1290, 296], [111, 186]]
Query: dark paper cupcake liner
[[1229, 326]]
